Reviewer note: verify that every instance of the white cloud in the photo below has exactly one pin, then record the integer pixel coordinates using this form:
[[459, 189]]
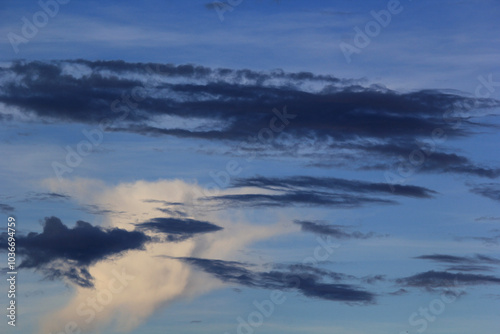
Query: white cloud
[[158, 280]]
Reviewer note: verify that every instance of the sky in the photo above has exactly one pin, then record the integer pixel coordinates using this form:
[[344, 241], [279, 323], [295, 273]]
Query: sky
[[250, 166]]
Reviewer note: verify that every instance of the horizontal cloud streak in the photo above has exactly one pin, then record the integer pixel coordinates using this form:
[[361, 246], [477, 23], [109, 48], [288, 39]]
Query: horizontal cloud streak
[[178, 229], [334, 231], [300, 278]]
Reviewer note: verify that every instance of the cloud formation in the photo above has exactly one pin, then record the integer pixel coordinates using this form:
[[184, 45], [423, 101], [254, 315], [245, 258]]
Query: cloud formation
[[333, 184], [488, 190], [443, 279], [77, 247], [334, 231], [5, 208], [305, 279], [335, 120], [178, 229], [477, 262], [316, 191]]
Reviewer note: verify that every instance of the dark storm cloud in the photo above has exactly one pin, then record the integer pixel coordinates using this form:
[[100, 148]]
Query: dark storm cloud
[[334, 231], [5, 208], [443, 279], [76, 247], [489, 190], [309, 282], [178, 229], [330, 183], [239, 104]]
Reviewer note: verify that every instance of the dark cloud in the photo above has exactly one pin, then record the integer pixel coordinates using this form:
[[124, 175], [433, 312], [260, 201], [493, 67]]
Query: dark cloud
[[477, 262], [489, 190], [79, 276], [427, 157], [317, 191], [303, 279], [443, 258], [301, 198], [399, 292], [171, 212], [330, 183], [178, 229], [236, 106], [334, 231], [35, 196], [169, 207], [442, 279], [76, 248], [472, 267], [5, 208]]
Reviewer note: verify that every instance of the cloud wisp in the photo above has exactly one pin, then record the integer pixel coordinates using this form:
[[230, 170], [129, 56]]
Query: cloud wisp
[[306, 280], [315, 191]]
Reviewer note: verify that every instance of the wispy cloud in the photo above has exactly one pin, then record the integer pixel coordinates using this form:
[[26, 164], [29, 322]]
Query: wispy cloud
[[306, 280]]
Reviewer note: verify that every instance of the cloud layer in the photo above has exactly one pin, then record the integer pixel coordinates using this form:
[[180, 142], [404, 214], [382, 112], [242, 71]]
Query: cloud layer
[[329, 120]]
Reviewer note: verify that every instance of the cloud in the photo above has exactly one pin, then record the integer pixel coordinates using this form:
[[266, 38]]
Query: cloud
[[442, 258], [5, 208], [47, 196], [477, 262], [301, 278], [334, 120], [302, 198], [78, 247], [489, 190], [178, 229], [334, 231], [330, 183], [157, 281], [315, 191], [442, 279]]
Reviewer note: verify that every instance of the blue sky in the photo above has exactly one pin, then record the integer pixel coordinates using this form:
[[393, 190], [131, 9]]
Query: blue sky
[[185, 163]]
